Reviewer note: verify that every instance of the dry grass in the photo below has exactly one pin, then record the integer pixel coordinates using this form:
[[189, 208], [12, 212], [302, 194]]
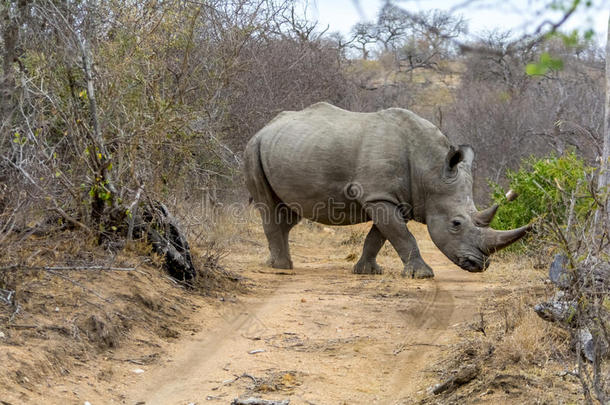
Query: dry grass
[[355, 237], [63, 320], [522, 358]]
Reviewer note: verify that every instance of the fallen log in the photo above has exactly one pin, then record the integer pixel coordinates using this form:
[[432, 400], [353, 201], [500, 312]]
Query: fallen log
[[463, 376], [167, 239]]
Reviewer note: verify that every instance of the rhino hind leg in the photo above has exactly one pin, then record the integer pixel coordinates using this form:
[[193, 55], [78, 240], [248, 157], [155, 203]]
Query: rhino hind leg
[[388, 219], [372, 245], [277, 218], [277, 231]]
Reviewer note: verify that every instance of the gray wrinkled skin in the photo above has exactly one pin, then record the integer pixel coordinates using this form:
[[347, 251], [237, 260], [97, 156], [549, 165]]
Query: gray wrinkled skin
[[338, 167]]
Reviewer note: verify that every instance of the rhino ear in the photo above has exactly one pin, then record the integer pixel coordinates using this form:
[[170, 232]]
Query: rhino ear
[[462, 153], [454, 157], [468, 154]]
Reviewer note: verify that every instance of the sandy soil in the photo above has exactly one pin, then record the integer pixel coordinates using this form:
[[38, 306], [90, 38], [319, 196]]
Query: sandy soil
[[317, 334]]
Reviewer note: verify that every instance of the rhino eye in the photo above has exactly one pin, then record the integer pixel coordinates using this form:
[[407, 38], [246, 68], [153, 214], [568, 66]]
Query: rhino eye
[[456, 223]]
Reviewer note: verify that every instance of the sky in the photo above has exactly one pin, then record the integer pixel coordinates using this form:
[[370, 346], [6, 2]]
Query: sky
[[519, 16]]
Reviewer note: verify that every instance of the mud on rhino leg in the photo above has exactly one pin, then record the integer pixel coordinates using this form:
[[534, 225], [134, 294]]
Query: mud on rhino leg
[[372, 245], [388, 219], [277, 227]]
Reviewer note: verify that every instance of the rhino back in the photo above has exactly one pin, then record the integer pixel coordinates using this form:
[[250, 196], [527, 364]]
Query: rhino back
[[310, 157]]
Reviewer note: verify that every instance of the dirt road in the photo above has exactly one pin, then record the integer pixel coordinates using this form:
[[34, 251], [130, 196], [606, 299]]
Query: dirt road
[[317, 334]]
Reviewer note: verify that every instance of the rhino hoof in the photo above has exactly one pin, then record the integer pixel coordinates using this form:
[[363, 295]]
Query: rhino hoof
[[280, 264], [367, 267], [421, 271]]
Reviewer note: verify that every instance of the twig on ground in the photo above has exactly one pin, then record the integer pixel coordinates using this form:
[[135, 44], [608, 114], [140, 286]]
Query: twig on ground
[[61, 268], [245, 375], [14, 314], [55, 328], [76, 283], [6, 296], [237, 377], [258, 401]]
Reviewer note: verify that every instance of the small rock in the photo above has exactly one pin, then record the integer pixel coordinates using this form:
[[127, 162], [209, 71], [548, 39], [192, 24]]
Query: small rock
[[87, 403], [56, 309], [303, 300], [138, 371], [558, 272], [256, 351], [586, 342], [2, 335], [556, 311]]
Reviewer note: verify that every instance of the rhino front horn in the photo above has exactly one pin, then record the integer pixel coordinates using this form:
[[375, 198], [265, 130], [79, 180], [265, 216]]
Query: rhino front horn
[[495, 240]]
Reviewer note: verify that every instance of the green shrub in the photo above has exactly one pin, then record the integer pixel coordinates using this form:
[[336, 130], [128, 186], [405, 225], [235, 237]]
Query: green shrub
[[545, 185]]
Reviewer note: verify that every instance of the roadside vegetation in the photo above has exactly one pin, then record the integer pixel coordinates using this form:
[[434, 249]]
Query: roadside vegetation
[[122, 125]]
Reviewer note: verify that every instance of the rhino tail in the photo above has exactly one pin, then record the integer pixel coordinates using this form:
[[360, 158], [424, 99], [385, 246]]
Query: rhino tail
[[256, 179]]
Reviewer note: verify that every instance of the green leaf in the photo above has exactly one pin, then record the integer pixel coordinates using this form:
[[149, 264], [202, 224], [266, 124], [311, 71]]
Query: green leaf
[[535, 69], [572, 39], [546, 63], [552, 63], [589, 34]]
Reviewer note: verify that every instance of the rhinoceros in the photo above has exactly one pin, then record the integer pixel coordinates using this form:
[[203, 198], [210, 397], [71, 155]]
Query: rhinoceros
[[338, 167]]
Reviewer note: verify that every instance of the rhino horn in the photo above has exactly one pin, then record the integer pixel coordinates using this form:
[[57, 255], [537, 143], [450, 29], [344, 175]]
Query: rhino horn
[[495, 240], [484, 218]]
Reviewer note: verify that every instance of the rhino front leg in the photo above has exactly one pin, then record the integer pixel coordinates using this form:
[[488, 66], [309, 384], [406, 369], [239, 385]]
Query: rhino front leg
[[372, 245], [389, 221]]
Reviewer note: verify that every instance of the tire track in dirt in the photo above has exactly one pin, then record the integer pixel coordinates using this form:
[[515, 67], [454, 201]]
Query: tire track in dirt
[[203, 359], [341, 338]]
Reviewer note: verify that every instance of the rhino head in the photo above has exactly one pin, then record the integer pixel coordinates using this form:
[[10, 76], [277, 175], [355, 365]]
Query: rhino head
[[456, 227]]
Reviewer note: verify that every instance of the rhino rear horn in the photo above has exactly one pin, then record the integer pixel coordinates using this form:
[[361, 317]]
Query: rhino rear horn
[[484, 218]]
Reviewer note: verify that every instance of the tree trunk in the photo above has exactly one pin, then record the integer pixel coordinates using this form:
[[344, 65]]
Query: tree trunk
[[604, 177], [162, 229], [10, 38]]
